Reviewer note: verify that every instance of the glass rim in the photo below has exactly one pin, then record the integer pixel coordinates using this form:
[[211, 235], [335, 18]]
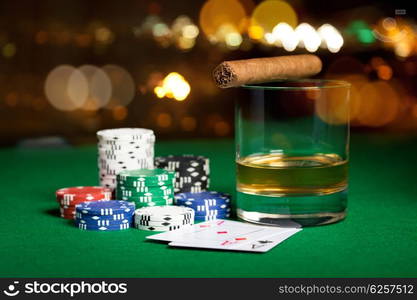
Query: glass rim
[[326, 84]]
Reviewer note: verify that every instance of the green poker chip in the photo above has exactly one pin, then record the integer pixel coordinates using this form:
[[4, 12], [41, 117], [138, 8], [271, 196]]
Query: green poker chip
[[144, 199], [164, 202], [145, 177], [120, 193]]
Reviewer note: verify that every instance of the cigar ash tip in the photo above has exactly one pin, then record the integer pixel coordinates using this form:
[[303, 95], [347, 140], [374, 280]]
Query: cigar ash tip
[[223, 75]]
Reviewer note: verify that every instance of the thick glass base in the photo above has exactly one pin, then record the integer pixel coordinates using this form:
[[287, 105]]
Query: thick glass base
[[292, 211]]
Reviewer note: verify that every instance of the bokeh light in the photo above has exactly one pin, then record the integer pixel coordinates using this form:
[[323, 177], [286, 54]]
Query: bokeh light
[[271, 12], [164, 120], [384, 72], [331, 37], [398, 34], [190, 31], [222, 128], [173, 86], [379, 105], [184, 32], [9, 50], [188, 123], [66, 88], [99, 87], [104, 35], [308, 37], [119, 113], [283, 34], [11, 99], [123, 86], [217, 13], [361, 31], [333, 107]]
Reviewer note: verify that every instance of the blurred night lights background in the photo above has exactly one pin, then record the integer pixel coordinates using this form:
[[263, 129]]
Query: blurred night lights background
[[71, 67]]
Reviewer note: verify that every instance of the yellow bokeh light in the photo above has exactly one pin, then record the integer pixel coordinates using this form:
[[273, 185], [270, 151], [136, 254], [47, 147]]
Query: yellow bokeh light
[[173, 86], [271, 12], [233, 39], [9, 50], [190, 31], [333, 105], [255, 32], [216, 13], [104, 35], [159, 91], [185, 43]]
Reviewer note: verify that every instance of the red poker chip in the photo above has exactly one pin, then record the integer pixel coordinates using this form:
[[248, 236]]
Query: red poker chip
[[67, 210], [68, 203], [69, 217], [82, 191], [82, 198]]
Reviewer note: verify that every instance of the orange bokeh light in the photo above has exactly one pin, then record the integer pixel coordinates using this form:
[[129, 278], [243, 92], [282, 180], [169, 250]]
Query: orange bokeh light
[[119, 113], [380, 106]]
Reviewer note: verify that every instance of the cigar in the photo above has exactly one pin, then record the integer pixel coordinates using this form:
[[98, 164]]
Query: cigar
[[258, 70]]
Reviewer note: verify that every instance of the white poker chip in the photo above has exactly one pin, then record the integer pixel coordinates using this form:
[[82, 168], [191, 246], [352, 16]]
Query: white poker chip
[[164, 213], [183, 222], [161, 228], [125, 134]]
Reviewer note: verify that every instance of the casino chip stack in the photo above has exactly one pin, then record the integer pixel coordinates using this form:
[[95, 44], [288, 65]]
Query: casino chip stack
[[208, 205], [163, 218], [104, 215], [71, 196], [146, 187], [192, 172], [123, 149]]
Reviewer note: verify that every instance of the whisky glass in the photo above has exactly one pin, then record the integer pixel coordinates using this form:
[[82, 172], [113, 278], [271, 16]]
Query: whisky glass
[[292, 152]]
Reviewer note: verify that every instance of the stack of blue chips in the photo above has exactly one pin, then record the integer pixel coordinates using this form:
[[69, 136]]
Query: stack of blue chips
[[208, 205], [104, 215]]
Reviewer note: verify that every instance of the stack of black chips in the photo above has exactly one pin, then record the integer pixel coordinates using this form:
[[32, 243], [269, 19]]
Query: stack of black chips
[[191, 172]]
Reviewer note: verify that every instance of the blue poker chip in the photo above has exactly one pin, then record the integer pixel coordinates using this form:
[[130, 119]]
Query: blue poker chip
[[213, 212], [201, 209], [114, 217], [105, 223], [202, 205], [205, 198], [86, 226], [105, 208], [102, 228], [210, 218]]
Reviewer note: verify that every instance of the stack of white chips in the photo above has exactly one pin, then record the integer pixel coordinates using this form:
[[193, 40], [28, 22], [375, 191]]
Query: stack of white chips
[[123, 149]]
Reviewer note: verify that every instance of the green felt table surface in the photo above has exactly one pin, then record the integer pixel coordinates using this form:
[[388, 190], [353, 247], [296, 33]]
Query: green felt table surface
[[378, 238]]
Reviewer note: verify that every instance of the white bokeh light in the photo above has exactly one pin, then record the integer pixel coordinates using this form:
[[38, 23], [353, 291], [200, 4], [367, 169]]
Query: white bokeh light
[[308, 37], [331, 37], [99, 87], [286, 36], [66, 88], [123, 86]]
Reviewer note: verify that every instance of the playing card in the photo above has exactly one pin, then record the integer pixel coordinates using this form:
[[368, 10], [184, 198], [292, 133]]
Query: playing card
[[227, 235], [251, 244]]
